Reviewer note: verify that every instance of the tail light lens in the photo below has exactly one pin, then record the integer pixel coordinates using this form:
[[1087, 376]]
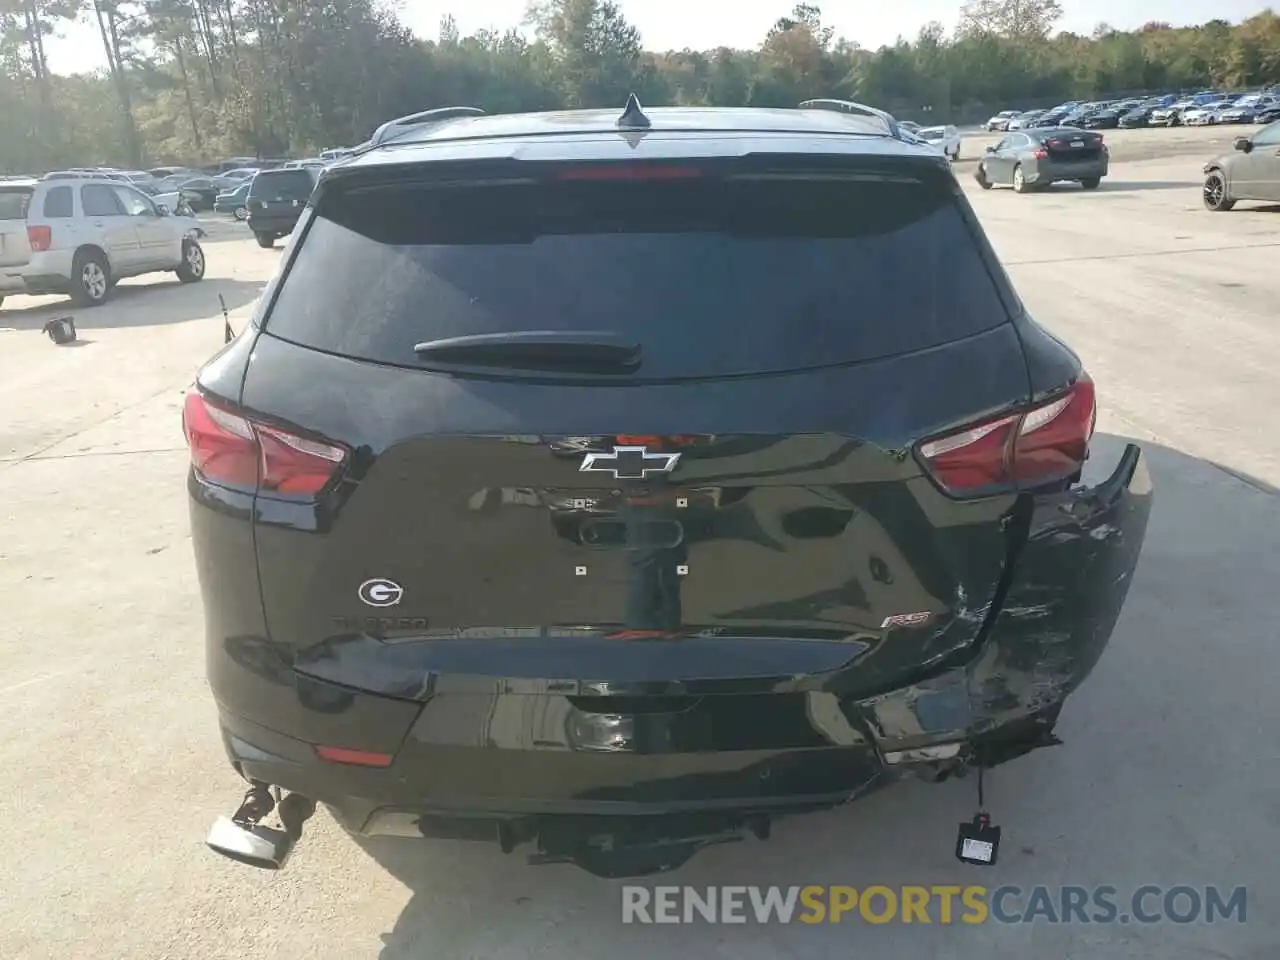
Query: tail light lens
[[356, 758], [230, 449], [39, 239], [1046, 442], [1041, 154]]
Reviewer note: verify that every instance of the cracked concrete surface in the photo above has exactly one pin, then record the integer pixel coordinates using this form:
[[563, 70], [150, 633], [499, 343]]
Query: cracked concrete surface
[[1169, 772]]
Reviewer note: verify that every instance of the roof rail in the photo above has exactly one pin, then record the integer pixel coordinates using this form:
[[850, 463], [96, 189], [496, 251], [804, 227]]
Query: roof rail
[[848, 106], [394, 128]]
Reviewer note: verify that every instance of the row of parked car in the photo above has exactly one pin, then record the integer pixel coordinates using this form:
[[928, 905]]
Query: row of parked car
[[193, 189], [1167, 110], [82, 230]]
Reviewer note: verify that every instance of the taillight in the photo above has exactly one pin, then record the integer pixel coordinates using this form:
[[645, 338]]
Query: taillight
[[39, 239], [1046, 442], [1041, 154], [228, 448]]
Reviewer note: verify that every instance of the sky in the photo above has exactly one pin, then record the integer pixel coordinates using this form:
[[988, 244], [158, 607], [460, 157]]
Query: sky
[[706, 24]]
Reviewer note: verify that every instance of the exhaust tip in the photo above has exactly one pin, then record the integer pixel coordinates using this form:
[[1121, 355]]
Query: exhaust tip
[[254, 845]]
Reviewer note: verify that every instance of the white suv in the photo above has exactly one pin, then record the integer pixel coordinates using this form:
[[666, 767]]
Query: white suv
[[79, 236]]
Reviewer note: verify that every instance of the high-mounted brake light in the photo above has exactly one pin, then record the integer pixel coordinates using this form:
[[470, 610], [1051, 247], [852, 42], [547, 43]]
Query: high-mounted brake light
[[231, 449], [1046, 442], [633, 172], [653, 440]]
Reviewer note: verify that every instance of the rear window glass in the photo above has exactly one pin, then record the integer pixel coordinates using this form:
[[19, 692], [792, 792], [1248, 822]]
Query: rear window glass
[[14, 202], [282, 185], [711, 278], [57, 203]]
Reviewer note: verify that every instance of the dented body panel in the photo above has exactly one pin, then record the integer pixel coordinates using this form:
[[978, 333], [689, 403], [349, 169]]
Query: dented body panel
[[1070, 583], [480, 741]]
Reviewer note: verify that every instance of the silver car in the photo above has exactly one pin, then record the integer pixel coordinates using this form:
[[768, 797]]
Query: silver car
[[1251, 172]]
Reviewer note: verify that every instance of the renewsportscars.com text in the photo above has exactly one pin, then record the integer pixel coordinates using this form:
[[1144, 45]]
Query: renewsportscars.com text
[[942, 904]]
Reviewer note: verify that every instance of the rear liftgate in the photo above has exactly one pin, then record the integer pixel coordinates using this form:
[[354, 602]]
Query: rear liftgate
[[1069, 584]]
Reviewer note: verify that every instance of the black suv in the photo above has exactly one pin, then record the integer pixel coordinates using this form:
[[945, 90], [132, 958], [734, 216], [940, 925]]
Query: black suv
[[613, 483], [276, 201]]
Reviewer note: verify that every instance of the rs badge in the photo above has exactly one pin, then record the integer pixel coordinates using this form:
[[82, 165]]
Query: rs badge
[[906, 620]]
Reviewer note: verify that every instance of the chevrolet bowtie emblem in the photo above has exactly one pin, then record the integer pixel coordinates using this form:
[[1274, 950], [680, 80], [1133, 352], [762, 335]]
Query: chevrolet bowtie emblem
[[629, 463]]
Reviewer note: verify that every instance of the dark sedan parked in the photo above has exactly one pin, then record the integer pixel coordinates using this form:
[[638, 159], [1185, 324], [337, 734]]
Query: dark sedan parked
[[1032, 159], [1141, 117], [1102, 120], [203, 192], [1252, 172], [1047, 120], [235, 202]]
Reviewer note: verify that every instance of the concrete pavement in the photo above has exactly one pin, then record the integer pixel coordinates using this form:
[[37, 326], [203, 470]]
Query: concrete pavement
[[1169, 773]]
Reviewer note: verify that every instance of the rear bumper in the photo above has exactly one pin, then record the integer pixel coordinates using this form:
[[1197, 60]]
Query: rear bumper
[[1058, 172], [471, 753], [11, 281], [46, 272], [280, 225]]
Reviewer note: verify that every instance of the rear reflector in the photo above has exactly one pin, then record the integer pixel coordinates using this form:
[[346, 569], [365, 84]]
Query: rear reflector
[[39, 239], [356, 758], [630, 171], [1046, 442], [228, 448]]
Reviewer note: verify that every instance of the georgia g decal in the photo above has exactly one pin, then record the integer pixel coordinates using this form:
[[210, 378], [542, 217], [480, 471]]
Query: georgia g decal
[[380, 592]]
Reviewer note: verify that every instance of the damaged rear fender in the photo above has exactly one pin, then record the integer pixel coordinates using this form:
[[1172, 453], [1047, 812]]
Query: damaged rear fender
[[1068, 585]]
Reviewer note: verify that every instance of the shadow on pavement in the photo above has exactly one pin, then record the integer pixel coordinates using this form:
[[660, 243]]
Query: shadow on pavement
[[220, 229], [1137, 186], [140, 302], [1153, 784]]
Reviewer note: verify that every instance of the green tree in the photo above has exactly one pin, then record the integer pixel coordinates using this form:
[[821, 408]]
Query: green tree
[[596, 52], [1013, 19]]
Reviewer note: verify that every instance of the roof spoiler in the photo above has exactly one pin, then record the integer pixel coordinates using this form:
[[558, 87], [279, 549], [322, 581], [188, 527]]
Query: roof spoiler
[[848, 106], [394, 128]]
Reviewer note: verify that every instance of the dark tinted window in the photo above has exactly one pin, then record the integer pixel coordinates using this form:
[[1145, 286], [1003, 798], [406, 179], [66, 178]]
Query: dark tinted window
[[282, 185], [57, 203], [14, 202], [710, 278], [100, 201]]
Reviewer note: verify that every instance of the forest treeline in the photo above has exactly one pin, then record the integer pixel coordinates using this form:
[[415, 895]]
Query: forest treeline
[[192, 80]]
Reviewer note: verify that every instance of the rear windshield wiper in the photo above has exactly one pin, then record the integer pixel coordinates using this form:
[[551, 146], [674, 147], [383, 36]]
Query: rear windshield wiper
[[537, 350]]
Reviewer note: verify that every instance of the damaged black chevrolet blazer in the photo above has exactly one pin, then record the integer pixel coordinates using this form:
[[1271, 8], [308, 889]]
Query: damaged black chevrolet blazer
[[610, 483]]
